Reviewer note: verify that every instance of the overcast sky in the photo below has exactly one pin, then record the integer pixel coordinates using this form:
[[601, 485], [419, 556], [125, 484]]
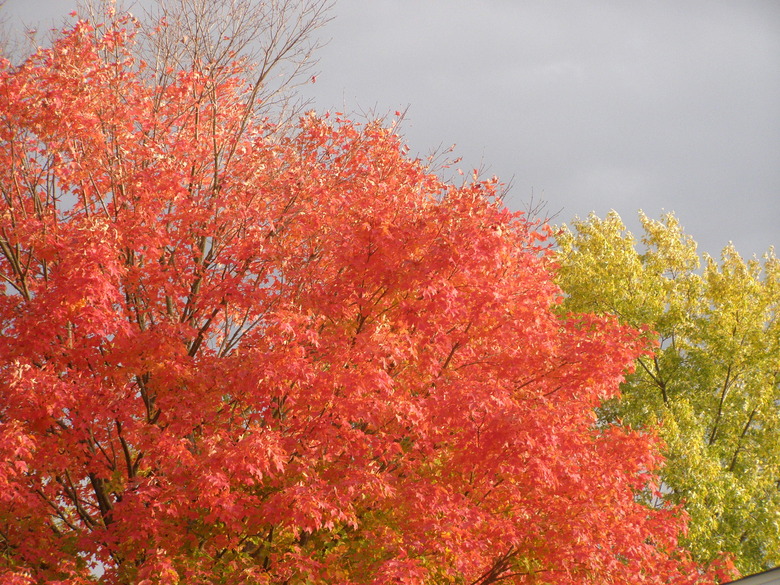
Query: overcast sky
[[591, 105]]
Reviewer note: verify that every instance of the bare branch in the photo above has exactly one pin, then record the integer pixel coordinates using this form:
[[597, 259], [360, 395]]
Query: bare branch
[[275, 37]]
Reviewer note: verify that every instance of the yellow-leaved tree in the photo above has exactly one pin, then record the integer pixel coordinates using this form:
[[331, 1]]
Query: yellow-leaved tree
[[712, 380]]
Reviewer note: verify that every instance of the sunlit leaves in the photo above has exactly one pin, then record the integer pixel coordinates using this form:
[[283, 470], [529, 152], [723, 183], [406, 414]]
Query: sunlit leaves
[[712, 382], [233, 355]]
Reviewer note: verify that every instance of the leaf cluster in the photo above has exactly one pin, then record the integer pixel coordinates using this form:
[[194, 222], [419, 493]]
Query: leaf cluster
[[233, 355], [712, 381]]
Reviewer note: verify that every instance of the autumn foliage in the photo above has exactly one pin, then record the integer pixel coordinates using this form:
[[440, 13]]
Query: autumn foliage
[[713, 381], [234, 355]]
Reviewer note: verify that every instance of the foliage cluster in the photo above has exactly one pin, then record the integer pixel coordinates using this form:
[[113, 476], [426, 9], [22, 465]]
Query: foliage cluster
[[236, 355], [713, 383]]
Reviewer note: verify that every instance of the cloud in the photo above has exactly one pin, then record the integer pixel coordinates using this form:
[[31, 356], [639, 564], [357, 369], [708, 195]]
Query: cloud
[[597, 104]]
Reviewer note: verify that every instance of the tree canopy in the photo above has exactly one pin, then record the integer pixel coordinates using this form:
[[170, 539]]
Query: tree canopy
[[713, 381], [233, 355]]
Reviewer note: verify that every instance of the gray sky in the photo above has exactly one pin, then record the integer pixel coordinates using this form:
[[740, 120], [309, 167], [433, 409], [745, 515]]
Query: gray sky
[[591, 104]]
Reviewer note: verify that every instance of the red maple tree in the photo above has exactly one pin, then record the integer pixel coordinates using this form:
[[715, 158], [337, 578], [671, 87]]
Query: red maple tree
[[234, 355]]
